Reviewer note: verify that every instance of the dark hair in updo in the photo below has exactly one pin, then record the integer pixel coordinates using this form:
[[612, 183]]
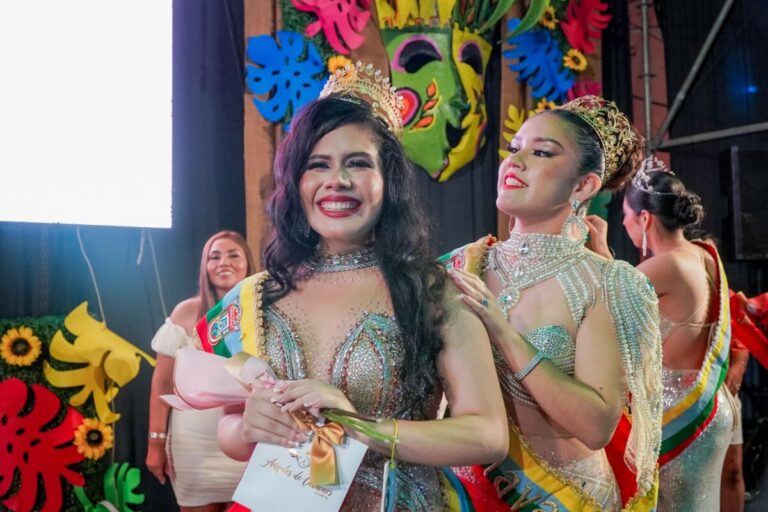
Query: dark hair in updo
[[592, 155], [674, 206]]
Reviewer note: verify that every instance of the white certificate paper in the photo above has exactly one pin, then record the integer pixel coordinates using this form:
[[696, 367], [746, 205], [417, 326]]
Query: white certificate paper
[[277, 478]]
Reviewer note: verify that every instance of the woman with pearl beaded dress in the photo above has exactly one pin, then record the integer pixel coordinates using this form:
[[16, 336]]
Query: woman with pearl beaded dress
[[575, 336]]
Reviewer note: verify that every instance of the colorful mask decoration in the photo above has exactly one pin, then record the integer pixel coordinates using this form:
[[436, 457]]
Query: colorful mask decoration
[[34, 451], [438, 52], [110, 362]]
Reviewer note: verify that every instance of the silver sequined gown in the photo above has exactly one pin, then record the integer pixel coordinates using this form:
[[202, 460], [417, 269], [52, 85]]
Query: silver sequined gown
[[366, 367], [691, 481]]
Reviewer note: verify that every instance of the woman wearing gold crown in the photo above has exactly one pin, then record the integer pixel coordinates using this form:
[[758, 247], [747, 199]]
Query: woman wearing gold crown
[[354, 315], [575, 336], [694, 310]]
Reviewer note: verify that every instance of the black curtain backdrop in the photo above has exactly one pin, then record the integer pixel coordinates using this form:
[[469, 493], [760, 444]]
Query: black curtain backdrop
[[617, 86]]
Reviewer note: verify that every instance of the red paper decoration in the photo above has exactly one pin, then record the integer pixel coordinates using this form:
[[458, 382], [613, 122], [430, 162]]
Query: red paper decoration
[[584, 20], [37, 453]]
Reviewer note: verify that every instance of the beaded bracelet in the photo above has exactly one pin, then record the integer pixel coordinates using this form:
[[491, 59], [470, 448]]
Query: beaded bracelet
[[528, 368], [157, 435]]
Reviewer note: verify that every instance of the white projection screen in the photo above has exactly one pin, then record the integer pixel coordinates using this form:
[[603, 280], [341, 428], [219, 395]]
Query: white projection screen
[[85, 112]]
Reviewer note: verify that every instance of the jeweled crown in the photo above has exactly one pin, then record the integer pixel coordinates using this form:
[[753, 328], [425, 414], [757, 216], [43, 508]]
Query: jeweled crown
[[364, 83], [642, 178], [613, 128]]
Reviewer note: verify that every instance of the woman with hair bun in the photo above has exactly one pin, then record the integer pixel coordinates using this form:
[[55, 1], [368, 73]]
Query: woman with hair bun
[[692, 288]]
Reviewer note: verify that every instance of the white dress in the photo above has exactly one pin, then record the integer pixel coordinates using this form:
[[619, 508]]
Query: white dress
[[203, 473]]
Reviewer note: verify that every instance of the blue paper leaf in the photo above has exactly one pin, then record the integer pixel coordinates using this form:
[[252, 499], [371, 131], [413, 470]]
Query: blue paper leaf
[[540, 63], [288, 69]]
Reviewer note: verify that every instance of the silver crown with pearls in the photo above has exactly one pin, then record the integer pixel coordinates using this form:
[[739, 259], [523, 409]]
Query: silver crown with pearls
[[642, 179]]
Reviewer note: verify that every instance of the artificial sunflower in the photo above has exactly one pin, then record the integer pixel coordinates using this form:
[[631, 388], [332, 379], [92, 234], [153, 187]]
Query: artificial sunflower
[[338, 62], [549, 18], [20, 347], [543, 105], [93, 438], [575, 60]]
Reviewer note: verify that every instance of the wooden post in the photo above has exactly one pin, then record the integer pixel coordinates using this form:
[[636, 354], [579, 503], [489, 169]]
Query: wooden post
[[261, 137]]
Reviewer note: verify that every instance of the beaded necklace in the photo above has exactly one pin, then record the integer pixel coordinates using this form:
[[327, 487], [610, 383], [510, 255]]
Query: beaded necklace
[[324, 262], [529, 258]]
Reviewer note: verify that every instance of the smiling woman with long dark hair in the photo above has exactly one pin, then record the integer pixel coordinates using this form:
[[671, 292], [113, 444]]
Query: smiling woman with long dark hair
[[356, 314]]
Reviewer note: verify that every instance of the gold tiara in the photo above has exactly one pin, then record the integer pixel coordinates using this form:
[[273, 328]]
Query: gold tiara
[[364, 83], [613, 128]]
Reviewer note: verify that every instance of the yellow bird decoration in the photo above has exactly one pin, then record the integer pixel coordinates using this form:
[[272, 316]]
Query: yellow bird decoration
[[110, 362]]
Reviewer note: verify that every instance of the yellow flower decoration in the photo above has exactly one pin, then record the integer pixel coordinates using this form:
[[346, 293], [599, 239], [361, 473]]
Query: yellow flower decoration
[[93, 438], [513, 122], [20, 347], [338, 62], [543, 105], [575, 60], [549, 19]]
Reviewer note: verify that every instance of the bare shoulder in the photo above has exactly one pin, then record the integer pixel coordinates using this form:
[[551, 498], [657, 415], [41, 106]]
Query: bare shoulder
[[462, 326], [186, 312], [663, 270]]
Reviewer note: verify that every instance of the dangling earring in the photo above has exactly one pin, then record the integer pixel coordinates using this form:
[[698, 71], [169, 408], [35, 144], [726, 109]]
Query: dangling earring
[[575, 220], [510, 224], [645, 243]]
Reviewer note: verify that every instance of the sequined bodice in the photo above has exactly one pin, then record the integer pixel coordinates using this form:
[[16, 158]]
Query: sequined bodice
[[365, 364], [557, 345]]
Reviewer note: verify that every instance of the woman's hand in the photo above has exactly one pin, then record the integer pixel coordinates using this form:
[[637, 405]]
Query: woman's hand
[[311, 395], [477, 296], [157, 460], [598, 236], [265, 422]]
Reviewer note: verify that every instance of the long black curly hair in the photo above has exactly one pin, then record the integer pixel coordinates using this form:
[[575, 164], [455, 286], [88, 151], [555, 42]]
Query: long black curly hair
[[401, 237]]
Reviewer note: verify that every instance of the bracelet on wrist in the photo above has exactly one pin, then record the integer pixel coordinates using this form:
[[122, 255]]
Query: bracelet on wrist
[[157, 435], [528, 368]]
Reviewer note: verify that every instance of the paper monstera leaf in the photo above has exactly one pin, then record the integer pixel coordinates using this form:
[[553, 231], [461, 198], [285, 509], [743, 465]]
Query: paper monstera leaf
[[287, 69], [120, 484], [585, 20], [340, 20], [539, 63], [108, 362], [40, 455]]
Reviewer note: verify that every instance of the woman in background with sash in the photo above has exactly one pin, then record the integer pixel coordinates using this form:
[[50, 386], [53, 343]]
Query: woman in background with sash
[[354, 313], [692, 288], [575, 335]]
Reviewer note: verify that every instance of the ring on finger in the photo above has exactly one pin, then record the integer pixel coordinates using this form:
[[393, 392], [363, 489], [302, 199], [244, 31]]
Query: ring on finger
[[484, 302]]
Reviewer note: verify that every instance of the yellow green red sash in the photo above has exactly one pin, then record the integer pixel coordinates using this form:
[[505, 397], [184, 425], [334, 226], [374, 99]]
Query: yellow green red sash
[[685, 420], [233, 325]]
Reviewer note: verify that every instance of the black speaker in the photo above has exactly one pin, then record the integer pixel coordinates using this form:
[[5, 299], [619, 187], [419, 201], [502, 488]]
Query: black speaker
[[744, 179]]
